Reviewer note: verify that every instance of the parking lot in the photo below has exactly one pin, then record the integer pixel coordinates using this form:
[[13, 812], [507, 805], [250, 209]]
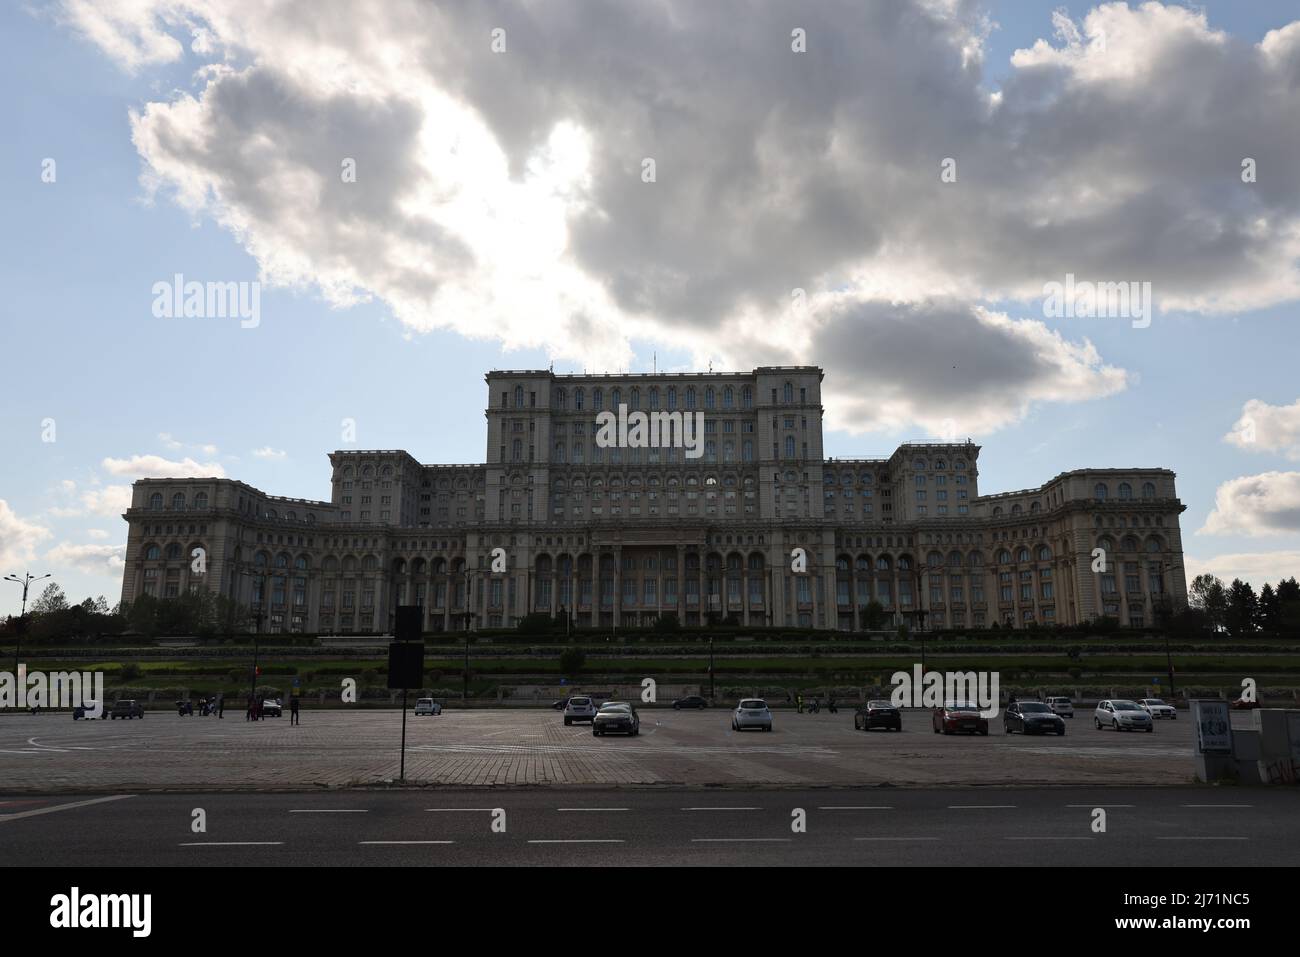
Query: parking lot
[[50, 752]]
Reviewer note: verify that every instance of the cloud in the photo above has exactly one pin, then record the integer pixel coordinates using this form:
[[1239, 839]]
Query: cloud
[[108, 501], [1267, 428], [18, 540], [266, 452], [171, 442], [1253, 567], [97, 533], [90, 559], [501, 196], [1256, 505], [155, 466]]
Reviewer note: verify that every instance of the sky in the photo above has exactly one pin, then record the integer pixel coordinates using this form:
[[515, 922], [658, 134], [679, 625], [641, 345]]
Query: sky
[[420, 192]]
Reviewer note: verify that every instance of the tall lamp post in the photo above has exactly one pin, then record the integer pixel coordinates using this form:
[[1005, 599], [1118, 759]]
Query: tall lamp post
[[261, 604], [26, 582], [469, 619], [1164, 626]]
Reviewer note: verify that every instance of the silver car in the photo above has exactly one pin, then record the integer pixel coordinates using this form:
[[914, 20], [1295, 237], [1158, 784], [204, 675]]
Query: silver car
[[1122, 715], [579, 708], [1157, 708], [751, 713], [1062, 706]]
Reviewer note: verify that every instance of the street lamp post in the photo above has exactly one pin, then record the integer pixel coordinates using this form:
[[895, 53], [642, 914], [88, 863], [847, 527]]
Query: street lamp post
[[26, 582], [712, 684], [469, 619], [261, 604]]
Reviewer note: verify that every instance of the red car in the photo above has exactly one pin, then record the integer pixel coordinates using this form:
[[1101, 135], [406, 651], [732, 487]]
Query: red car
[[959, 716]]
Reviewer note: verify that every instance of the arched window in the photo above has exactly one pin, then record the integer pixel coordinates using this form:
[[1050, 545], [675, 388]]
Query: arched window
[[634, 402], [789, 446], [1099, 491], [672, 397], [519, 397], [178, 501], [1022, 554], [747, 397], [690, 397], [155, 500], [1044, 553], [728, 398], [1148, 490], [615, 399], [1125, 491], [788, 393], [579, 397], [152, 553], [201, 500], [597, 399], [709, 399], [173, 552]]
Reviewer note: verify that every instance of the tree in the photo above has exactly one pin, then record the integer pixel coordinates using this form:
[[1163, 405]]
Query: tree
[[873, 615], [52, 601], [571, 662], [1270, 609], [1243, 608], [1209, 595]]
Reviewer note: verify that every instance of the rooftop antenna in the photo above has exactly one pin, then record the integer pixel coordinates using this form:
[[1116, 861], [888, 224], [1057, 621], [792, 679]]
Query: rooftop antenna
[[656, 362]]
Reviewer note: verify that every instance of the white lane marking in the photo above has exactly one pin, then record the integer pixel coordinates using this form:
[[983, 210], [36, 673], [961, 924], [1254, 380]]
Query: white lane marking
[[977, 807], [458, 810], [740, 840], [592, 809], [406, 842], [329, 810], [1101, 805], [722, 809], [61, 807], [231, 844], [856, 807], [895, 839], [1202, 839], [1218, 805], [582, 841], [1050, 839]]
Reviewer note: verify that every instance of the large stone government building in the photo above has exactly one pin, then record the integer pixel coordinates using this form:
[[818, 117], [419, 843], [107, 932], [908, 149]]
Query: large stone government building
[[617, 536]]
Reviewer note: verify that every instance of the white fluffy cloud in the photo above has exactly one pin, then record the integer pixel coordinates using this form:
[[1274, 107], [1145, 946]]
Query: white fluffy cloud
[[1253, 567], [1264, 504], [1267, 428], [19, 539], [90, 559], [155, 466], [501, 195], [266, 452]]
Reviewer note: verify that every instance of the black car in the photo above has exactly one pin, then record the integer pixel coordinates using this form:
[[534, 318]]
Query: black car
[[1032, 717], [616, 716], [877, 714], [690, 701]]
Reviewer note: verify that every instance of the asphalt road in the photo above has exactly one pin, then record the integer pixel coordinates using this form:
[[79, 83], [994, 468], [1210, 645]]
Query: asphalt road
[[557, 827]]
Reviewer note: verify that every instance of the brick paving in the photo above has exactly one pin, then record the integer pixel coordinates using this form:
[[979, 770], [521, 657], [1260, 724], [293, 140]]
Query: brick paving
[[333, 749]]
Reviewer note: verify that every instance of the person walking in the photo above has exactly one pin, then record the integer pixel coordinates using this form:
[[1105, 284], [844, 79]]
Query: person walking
[[798, 701], [249, 714], [293, 710], [221, 705]]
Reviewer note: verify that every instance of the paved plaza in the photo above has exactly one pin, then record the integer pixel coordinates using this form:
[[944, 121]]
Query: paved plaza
[[332, 749]]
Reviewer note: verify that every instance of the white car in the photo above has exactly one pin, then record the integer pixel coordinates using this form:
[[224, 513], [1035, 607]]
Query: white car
[[1062, 706], [1122, 715], [427, 706], [579, 708], [1157, 708], [751, 713]]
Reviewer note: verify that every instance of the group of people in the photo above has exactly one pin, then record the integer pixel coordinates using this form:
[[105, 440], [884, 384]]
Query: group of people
[[814, 706], [256, 710], [207, 706]]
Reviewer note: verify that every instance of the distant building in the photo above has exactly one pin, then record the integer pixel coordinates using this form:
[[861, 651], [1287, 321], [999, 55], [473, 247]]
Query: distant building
[[622, 534]]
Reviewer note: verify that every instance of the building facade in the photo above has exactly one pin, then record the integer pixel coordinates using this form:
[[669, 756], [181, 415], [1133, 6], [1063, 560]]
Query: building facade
[[559, 520]]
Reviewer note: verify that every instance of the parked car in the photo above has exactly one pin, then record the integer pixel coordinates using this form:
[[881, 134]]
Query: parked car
[[559, 705], [271, 708], [427, 706], [579, 708], [1241, 704], [1062, 706], [616, 716], [690, 701], [86, 710], [877, 714], [1031, 717], [126, 708], [1122, 715], [1157, 708], [751, 713], [959, 716]]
